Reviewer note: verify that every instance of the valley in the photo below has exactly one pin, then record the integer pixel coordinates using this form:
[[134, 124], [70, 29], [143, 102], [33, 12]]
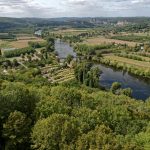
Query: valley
[[75, 83]]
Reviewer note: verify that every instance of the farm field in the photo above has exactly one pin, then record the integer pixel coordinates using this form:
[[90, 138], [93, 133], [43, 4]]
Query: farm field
[[56, 75], [21, 42], [136, 63], [69, 32], [4, 44], [102, 40], [26, 38]]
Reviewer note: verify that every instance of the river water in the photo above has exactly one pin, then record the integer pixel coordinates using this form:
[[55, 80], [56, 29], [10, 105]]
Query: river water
[[141, 88], [63, 49]]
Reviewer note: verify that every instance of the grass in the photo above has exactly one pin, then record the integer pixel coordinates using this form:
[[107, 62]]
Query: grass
[[102, 40], [136, 63]]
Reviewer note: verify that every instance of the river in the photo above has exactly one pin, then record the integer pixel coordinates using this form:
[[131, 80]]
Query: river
[[141, 88], [63, 49]]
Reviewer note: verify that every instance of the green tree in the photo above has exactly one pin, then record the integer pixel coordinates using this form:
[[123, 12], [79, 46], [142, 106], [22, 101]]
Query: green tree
[[50, 47], [88, 75], [127, 92], [16, 96], [15, 63], [55, 132], [115, 86], [70, 96], [16, 131], [0, 52], [69, 59], [101, 138], [49, 106]]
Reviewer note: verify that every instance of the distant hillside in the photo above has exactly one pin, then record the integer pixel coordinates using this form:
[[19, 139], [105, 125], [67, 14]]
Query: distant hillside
[[7, 24]]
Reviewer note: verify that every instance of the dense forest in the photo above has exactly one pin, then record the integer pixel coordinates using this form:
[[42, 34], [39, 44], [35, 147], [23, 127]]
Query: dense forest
[[69, 116]]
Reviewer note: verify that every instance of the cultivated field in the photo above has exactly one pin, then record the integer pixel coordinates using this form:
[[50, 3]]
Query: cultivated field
[[128, 61], [69, 31], [4, 44], [24, 42], [102, 40], [21, 42], [56, 75], [27, 38]]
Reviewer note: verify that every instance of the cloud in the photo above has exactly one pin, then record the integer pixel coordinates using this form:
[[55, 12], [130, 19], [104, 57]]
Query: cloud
[[24, 8], [79, 8]]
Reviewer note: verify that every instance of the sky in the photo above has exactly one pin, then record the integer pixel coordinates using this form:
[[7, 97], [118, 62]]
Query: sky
[[74, 8]]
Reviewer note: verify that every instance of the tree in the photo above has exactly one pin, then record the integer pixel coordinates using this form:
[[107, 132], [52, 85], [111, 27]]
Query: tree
[[7, 64], [100, 138], [88, 75], [18, 98], [49, 106], [70, 96], [93, 77], [69, 59], [88, 118], [115, 86], [143, 138], [55, 132], [15, 63], [50, 44], [29, 57], [127, 92], [16, 131], [0, 52]]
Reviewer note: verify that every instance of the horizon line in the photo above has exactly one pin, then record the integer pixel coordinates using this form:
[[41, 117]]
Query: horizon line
[[76, 17]]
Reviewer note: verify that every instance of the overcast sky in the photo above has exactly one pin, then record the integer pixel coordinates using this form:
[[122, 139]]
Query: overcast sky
[[74, 8]]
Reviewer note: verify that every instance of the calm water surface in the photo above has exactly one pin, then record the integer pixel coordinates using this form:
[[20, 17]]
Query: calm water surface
[[141, 88], [63, 49]]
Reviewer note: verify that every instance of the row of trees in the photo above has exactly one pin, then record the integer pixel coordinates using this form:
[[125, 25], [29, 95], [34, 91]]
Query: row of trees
[[134, 38], [18, 52], [86, 74], [84, 49], [72, 39], [8, 36], [50, 47], [10, 64], [144, 54], [130, 56], [36, 44]]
